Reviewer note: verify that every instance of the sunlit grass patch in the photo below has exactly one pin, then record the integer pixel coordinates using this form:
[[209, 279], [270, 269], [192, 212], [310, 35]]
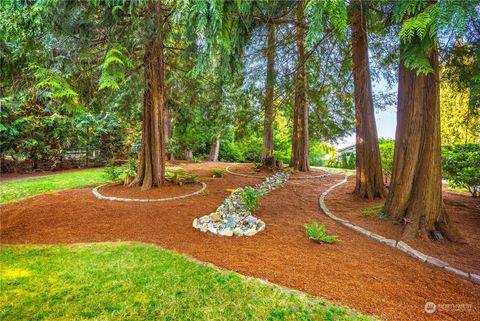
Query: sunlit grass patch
[[17, 189], [130, 281]]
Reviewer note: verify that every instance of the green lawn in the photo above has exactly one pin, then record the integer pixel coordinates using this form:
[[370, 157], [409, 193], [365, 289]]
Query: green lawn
[[132, 281], [334, 170], [14, 190]]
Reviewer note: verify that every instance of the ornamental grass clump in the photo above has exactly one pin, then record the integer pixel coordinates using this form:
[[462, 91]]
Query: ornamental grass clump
[[318, 233]]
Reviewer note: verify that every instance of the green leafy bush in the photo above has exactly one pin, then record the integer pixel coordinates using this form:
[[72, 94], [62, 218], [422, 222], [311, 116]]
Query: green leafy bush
[[345, 160], [230, 152], [387, 147], [318, 233], [180, 176], [130, 171], [217, 172], [251, 198], [461, 167], [112, 173]]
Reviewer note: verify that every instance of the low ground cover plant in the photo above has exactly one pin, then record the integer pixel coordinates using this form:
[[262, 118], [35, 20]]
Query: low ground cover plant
[[180, 176], [318, 233], [217, 172], [372, 211]]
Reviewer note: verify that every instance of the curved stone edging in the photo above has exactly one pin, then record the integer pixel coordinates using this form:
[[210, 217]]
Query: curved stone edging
[[311, 177], [98, 195], [227, 169], [393, 243]]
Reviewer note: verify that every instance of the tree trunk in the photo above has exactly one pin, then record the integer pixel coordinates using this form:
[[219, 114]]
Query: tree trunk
[[300, 147], [415, 193], [214, 150], [151, 168], [269, 86], [369, 178], [167, 130], [188, 155]]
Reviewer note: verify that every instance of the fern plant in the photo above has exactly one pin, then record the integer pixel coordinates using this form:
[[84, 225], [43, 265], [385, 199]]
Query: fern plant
[[422, 20], [113, 69], [318, 233]]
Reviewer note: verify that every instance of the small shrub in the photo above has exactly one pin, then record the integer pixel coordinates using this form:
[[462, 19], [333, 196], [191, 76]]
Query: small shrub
[[345, 160], [180, 177], [130, 171], [461, 167], [251, 198], [217, 172], [112, 173], [387, 148], [318, 233], [196, 159]]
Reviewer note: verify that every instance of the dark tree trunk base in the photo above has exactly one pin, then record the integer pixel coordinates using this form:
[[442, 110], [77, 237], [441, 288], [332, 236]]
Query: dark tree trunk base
[[272, 163]]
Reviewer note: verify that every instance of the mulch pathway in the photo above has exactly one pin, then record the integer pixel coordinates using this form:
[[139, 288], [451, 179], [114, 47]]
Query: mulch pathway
[[356, 271]]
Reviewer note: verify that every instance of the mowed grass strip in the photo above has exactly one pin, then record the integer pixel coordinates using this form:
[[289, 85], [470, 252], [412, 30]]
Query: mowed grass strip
[[13, 190], [133, 281]]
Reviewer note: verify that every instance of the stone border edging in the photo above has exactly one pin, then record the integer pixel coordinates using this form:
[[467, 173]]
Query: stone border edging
[[227, 169], [98, 195], [393, 243]]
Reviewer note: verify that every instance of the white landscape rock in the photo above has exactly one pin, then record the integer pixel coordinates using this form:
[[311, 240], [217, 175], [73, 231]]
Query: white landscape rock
[[475, 277], [231, 218], [457, 271], [411, 251]]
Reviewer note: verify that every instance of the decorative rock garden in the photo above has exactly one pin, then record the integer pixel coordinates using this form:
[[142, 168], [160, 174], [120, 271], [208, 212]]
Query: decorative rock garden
[[232, 217]]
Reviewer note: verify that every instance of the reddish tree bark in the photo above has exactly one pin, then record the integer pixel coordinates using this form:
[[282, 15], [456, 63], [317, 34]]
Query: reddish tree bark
[[151, 168], [369, 178], [300, 146], [268, 102], [415, 194]]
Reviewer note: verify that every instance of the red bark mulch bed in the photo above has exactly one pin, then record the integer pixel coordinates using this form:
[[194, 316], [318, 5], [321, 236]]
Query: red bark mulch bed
[[464, 213], [248, 169], [167, 190], [356, 271]]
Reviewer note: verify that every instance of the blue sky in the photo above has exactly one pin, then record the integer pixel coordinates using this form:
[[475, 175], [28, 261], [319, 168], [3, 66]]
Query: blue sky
[[386, 119]]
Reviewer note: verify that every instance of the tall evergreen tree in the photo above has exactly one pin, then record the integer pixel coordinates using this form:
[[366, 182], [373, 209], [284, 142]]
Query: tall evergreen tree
[[415, 193], [151, 167], [268, 100], [300, 145], [369, 178]]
